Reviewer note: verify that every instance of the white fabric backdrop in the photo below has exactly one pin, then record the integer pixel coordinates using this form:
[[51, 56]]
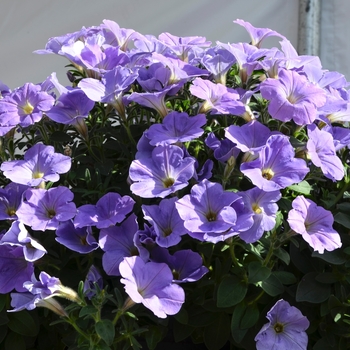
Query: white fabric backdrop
[[26, 25]]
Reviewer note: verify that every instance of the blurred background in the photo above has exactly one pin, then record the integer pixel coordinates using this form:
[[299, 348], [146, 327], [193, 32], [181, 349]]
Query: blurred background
[[319, 27]]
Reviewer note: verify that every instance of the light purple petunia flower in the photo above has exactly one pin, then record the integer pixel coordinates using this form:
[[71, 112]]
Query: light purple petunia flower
[[250, 137], [117, 242], [180, 71], [151, 284], [314, 223], [110, 88], [109, 210], [186, 265], [14, 268], [166, 172], [78, 239], [70, 107], [45, 209], [257, 35], [292, 96], [24, 106], [145, 241], [218, 99], [183, 46], [11, 197], [207, 211], [154, 100], [93, 277], [263, 205], [176, 127], [166, 222], [275, 168], [18, 236], [285, 330], [29, 301], [41, 292], [40, 163], [223, 149], [321, 150], [218, 61]]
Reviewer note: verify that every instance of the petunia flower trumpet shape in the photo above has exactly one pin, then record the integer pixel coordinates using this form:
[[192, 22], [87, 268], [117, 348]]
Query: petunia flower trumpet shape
[[292, 97], [41, 292], [40, 163], [45, 209], [109, 210], [285, 330], [276, 166], [207, 212], [165, 173], [18, 236], [321, 151], [314, 223], [151, 284]]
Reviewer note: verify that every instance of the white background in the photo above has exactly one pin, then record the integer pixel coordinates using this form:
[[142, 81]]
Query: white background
[[26, 25]]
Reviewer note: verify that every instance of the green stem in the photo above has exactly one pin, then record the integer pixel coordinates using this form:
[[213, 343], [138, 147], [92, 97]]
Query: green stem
[[257, 298], [78, 329], [233, 255], [271, 249], [340, 194]]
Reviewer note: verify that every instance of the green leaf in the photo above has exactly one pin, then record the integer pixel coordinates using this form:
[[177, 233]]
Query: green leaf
[[302, 187], [182, 331], [250, 317], [282, 255], [198, 317], [23, 323], [336, 257], [238, 313], [3, 317], [153, 336], [342, 219], [87, 310], [217, 334], [231, 291], [14, 342], [309, 289], [327, 277], [3, 298], [272, 286], [105, 330], [182, 316], [3, 333], [285, 277], [257, 272]]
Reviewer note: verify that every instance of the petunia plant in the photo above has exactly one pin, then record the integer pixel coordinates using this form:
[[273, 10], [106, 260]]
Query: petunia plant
[[176, 192]]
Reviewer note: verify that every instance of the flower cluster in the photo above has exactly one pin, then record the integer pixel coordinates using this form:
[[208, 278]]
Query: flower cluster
[[202, 181]]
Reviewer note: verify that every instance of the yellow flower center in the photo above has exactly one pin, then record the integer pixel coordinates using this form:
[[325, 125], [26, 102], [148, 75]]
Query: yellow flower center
[[256, 208], [168, 182], [278, 327], [28, 108], [11, 211], [267, 174], [37, 175]]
